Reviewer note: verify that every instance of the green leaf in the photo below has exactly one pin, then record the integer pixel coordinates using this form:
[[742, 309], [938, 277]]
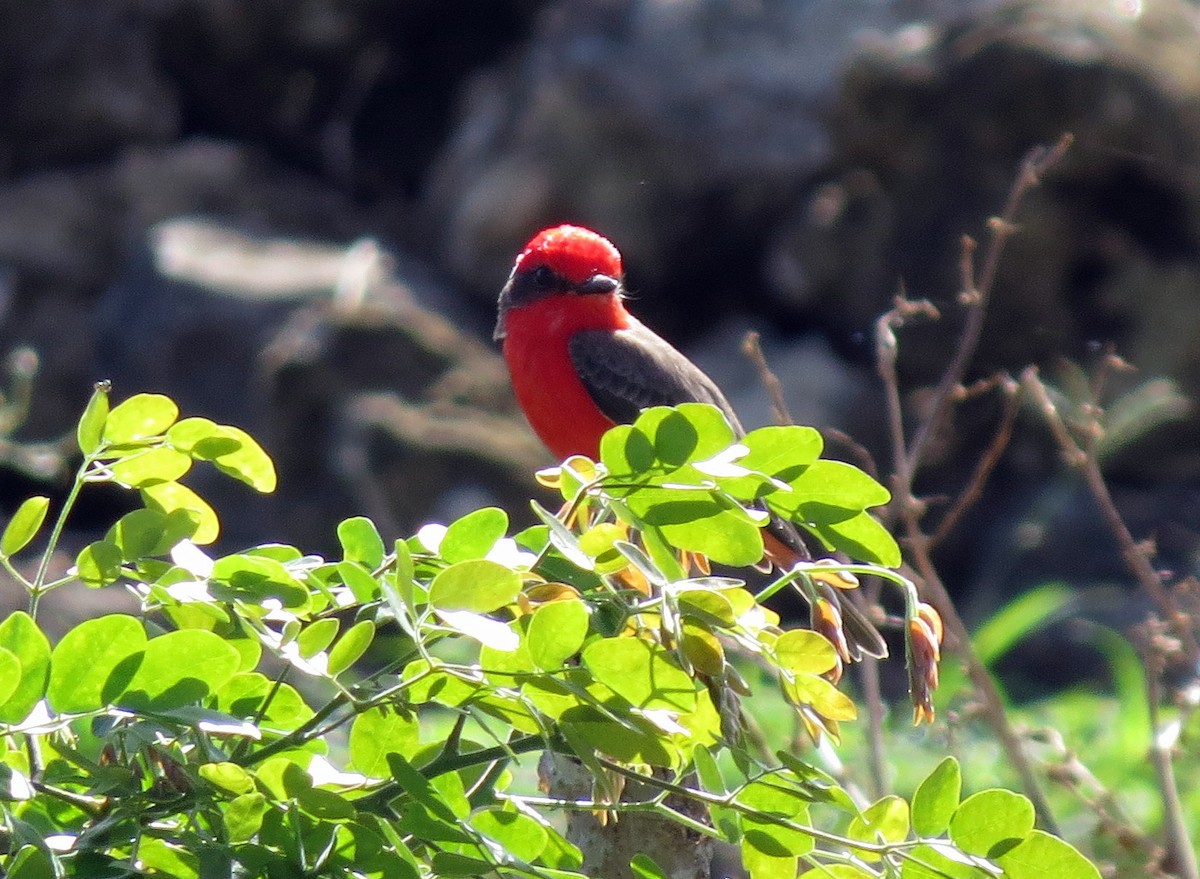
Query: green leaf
[[150, 467], [31, 862], [228, 776], [642, 673], [802, 650], [1042, 856], [378, 732], [94, 662], [162, 858], [316, 636], [361, 542], [991, 822], [697, 521], [626, 452], [822, 696], [478, 585], [140, 417], [138, 534], [518, 834], [776, 795], [936, 799], [419, 788], [350, 647], [10, 674], [562, 538], [778, 452], [556, 633], [99, 564], [688, 432], [243, 816], [885, 820], [760, 865], [364, 587], [834, 484], [324, 805], [474, 535], [24, 525], [20, 635], [169, 497], [181, 668], [860, 537], [91, 424], [254, 579], [643, 867], [230, 449]]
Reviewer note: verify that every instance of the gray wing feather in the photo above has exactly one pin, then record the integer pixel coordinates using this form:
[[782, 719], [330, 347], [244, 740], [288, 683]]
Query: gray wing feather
[[633, 369]]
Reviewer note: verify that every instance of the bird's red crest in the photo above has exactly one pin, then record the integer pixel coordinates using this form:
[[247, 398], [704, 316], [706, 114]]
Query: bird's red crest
[[573, 252]]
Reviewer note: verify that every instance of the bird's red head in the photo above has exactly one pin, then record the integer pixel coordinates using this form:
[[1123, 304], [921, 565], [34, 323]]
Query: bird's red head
[[561, 260], [573, 253]]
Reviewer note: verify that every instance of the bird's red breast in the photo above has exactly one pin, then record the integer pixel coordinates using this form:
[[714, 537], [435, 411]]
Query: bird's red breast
[[558, 406]]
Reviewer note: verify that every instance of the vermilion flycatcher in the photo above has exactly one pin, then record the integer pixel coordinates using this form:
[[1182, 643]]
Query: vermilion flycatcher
[[581, 363]]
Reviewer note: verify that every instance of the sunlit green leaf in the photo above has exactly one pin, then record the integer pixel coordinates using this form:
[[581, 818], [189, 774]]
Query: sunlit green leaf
[[378, 732], [641, 672], [94, 662], [24, 525], [140, 417], [643, 867], [171, 496], [255, 579], [99, 563], [778, 452], [150, 467], [351, 646], [802, 650], [243, 816], [991, 822], [361, 542], [20, 635], [168, 859], [1042, 856], [90, 428], [861, 537], [316, 636], [936, 798], [885, 820], [227, 776], [699, 522], [10, 674], [517, 833], [556, 632], [474, 535], [179, 668], [478, 585], [137, 534]]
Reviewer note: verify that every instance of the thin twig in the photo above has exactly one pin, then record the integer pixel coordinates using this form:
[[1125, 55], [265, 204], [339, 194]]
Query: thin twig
[[907, 458], [1180, 857], [872, 691], [1136, 558], [976, 294], [987, 463], [752, 348]]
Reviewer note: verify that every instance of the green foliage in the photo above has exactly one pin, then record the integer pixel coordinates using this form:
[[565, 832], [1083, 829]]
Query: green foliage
[[168, 742]]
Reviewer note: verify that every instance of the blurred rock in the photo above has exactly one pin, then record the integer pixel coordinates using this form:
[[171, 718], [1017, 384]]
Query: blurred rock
[[81, 79], [368, 403], [681, 130], [931, 125]]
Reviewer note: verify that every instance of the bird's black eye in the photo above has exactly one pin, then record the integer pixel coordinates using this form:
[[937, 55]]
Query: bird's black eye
[[545, 278]]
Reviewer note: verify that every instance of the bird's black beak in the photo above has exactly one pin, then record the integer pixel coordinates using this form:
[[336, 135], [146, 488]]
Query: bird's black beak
[[599, 284]]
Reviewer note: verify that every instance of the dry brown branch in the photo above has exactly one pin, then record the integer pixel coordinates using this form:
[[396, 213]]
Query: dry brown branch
[[907, 458]]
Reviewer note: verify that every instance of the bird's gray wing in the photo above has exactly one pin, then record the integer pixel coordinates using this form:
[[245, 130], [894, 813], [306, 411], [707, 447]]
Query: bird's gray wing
[[633, 369]]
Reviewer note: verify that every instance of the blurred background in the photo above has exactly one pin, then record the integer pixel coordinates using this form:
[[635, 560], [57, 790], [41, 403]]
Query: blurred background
[[295, 216]]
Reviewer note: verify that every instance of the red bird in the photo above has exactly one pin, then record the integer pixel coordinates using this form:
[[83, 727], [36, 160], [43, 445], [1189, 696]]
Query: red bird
[[581, 363]]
